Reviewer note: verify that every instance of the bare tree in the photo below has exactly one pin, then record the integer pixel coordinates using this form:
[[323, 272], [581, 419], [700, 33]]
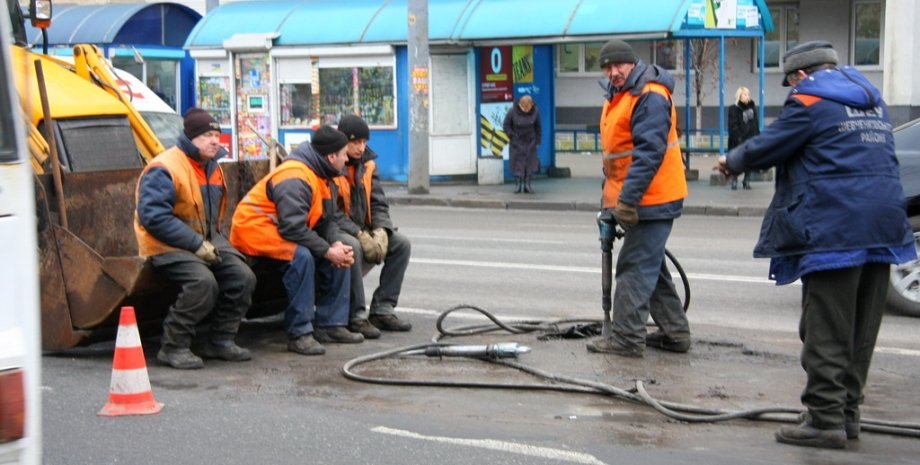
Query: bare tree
[[704, 64]]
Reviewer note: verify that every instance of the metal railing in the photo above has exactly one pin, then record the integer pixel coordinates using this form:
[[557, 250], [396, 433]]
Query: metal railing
[[587, 140]]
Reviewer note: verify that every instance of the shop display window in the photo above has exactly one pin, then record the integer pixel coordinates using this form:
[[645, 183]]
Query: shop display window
[[297, 105], [367, 91], [214, 96]]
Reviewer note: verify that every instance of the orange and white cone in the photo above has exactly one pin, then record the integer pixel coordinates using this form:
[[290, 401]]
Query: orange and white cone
[[129, 393]]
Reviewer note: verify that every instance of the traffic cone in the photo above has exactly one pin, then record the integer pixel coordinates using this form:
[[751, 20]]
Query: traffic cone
[[129, 393]]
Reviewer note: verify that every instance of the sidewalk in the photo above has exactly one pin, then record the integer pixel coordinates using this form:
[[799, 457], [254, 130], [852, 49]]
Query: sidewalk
[[582, 192]]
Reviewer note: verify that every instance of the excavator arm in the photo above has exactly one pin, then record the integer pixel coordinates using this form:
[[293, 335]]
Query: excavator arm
[[90, 64]]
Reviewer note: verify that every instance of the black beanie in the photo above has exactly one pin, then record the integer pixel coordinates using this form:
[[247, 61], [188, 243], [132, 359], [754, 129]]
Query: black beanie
[[354, 127], [198, 122], [616, 51], [327, 140]]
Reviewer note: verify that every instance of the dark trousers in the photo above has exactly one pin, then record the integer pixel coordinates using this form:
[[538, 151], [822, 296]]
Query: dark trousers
[[644, 286], [386, 296], [225, 288], [841, 314]]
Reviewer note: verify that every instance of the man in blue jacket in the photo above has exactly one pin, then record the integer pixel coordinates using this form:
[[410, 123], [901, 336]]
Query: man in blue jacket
[[837, 221], [181, 201]]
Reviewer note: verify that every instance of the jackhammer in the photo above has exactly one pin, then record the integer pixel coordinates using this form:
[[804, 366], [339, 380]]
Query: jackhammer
[[609, 232]]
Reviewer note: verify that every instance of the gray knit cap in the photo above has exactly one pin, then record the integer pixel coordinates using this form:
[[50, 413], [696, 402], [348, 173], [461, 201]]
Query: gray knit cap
[[804, 56], [616, 51]]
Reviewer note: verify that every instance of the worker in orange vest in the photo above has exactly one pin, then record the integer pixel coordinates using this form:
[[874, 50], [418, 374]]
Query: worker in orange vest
[[644, 190], [285, 222], [181, 198], [366, 226]]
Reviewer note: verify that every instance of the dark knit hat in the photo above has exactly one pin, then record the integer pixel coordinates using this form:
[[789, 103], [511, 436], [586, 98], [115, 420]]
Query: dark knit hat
[[804, 56], [354, 127], [328, 139], [198, 122], [616, 51]]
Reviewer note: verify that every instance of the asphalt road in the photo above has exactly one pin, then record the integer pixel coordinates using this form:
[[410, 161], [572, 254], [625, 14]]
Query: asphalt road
[[283, 408]]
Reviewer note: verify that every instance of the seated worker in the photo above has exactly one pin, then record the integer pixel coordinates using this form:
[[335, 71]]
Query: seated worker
[[181, 198], [286, 222], [365, 225]]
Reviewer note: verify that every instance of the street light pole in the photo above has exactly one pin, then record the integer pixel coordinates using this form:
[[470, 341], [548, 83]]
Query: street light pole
[[419, 73]]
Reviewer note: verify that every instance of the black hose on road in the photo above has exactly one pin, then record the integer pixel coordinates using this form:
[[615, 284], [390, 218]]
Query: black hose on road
[[638, 394]]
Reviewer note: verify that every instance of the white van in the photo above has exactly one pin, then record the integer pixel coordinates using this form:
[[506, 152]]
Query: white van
[[162, 119], [20, 334]]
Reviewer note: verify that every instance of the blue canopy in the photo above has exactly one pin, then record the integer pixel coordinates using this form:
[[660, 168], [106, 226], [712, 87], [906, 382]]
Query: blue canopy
[[167, 24], [308, 22]]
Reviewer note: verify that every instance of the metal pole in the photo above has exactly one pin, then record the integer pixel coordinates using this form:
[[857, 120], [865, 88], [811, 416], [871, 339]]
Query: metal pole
[[56, 170], [761, 50], [687, 58], [419, 73], [722, 95]]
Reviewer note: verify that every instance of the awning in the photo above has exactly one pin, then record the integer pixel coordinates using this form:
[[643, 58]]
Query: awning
[[307, 22], [166, 24]]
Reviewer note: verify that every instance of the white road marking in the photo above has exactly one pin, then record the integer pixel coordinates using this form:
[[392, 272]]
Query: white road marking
[[582, 269], [502, 446], [490, 239]]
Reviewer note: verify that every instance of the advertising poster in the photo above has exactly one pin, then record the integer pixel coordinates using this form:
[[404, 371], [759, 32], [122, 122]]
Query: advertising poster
[[493, 142], [253, 80], [495, 74]]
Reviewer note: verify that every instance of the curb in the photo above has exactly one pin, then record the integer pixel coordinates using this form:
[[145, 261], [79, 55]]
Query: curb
[[427, 201]]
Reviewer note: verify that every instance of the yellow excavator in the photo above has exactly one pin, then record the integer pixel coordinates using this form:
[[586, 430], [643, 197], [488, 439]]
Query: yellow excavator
[[89, 144]]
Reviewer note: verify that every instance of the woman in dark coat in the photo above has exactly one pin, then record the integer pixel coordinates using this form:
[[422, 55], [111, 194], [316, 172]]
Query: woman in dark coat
[[522, 125], [742, 125]]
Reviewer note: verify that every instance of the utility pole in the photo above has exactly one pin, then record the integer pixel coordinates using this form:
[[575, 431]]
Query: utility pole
[[419, 73]]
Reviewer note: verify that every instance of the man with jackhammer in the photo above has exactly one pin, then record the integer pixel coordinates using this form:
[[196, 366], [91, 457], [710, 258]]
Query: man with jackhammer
[[644, 188], [285, 222], [181, 199], [365, 225], [837, 221]]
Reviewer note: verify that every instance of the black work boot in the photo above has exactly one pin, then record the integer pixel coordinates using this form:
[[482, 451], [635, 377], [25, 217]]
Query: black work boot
[[181, 359], [614, 346], [306, 345], [806, 435], [660, 340], [337, 334], [850, 426], [226, 351], [520, 185], [364, 328], [390, 322]]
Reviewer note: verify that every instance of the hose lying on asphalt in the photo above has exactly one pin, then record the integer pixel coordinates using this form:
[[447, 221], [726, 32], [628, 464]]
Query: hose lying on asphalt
[[638, 394]]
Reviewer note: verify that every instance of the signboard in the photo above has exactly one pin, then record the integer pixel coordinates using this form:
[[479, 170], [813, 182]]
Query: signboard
[[722, 14], [495, 75]]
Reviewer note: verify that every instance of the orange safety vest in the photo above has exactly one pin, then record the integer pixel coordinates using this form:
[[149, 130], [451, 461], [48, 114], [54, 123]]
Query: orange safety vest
[[344, 184], [669, 183], [189, 207], [254, 231]]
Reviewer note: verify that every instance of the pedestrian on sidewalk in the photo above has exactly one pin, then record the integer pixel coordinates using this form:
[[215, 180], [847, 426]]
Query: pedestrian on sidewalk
[[644, 190], [363, 217], [837, 221], [742, 125], [181, 198], [522, 125]]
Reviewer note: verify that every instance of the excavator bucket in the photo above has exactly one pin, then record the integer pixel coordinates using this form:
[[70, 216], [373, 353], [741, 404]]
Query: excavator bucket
[[90, 269]]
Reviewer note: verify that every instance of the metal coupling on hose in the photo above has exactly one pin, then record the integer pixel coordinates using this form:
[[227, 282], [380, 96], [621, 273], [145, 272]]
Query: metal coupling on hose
[[501, 350]]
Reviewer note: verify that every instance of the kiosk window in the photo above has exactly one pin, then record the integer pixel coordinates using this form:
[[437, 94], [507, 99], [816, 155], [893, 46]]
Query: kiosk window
[[366, 90]]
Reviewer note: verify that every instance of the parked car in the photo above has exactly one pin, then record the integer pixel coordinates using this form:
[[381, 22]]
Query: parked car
[[904, 285]]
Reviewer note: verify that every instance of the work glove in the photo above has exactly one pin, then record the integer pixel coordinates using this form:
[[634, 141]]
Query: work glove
[[369, 247], [383, 242], [626, 215], [208, 253]]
